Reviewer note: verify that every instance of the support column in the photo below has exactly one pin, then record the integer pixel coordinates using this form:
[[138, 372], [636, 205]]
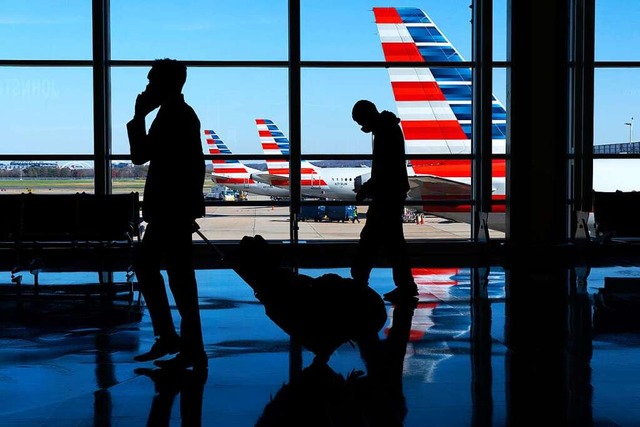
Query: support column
[[482, 115], [537, 105], [101, 97]]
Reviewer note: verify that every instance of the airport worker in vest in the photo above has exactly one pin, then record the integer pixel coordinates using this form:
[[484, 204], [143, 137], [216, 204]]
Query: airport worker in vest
[[387, 189], [173, 199]]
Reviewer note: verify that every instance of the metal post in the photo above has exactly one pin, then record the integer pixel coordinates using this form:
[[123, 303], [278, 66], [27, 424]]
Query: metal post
[[295, 349], [482, 29], [101, 98]]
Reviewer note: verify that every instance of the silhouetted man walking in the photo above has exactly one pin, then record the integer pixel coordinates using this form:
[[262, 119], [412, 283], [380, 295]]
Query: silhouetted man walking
[[387, 188], [173, 199]]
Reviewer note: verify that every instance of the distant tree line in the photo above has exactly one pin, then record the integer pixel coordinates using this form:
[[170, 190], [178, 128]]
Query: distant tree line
[[46, 172], [129, 172], [50, 172]]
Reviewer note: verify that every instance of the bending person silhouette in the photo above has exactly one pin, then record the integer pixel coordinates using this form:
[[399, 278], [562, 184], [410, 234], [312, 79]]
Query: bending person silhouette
[[172, 201], [387, 188]]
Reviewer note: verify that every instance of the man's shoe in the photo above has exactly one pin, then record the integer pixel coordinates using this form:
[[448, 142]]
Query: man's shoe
[[183, 361], [160, 348], [404, 293]]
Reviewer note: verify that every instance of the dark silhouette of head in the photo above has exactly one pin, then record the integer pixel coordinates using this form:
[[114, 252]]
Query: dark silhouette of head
[[166, 79], [365, 113]]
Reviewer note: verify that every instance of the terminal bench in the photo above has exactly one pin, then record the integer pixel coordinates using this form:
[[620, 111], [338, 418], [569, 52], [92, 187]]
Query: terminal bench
[[54, 232], [616, 216]]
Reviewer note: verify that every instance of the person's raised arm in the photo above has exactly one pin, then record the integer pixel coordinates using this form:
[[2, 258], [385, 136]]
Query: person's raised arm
[[137, 132]]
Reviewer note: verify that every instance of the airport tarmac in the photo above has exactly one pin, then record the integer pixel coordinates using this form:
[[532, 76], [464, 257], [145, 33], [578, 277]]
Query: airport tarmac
[[233, 221]]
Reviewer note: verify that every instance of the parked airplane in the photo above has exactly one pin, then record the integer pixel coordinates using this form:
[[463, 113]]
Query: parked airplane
[[234, 174], [342, 183], [338, 183], [434, 105]]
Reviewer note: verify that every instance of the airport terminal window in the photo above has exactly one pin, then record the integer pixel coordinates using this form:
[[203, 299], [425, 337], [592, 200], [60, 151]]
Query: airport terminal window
[[232, 96]]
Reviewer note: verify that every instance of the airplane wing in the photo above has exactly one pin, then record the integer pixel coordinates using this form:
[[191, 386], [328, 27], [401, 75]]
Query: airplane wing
[[421, 186], [221, 179], [267, 178]]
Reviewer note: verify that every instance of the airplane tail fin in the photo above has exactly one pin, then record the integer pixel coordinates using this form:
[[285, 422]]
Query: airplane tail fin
[[227, 170], [434, 103], [274, 141]]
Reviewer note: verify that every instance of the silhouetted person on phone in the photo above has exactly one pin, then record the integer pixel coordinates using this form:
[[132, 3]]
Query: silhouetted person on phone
[[387, 188], [173, 199]]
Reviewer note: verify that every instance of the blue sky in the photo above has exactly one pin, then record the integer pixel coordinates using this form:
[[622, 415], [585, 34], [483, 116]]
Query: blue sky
[[50, 109]]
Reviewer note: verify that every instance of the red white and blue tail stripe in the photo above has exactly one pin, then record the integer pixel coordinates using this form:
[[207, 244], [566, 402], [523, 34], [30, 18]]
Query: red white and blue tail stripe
[[434, 103], [225, 171], [274, 142]]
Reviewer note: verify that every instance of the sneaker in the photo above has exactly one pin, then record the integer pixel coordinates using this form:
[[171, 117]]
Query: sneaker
[[182, 361], [401, 294], [160, 348]]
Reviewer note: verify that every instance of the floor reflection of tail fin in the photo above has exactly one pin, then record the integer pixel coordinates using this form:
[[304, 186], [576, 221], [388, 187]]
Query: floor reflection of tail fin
[[434, 285]]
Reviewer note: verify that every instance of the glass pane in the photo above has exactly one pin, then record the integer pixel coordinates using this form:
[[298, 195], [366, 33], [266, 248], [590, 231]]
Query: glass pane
[[45, 29], [500, 30], [616, 174], [615, 104], [234, 222], [497, 219], [46, 177], [46, 110], [352, 30], [616, 31], [199, 29], [328, 96], [127, 177], [227, 100], [430, 126], [615, 100], [231, 222]]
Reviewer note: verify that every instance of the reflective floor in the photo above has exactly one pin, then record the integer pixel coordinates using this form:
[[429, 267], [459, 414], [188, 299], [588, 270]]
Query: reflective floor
[[526, 359]]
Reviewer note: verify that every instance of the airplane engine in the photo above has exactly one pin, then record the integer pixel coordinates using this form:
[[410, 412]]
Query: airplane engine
[[359, 180]]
